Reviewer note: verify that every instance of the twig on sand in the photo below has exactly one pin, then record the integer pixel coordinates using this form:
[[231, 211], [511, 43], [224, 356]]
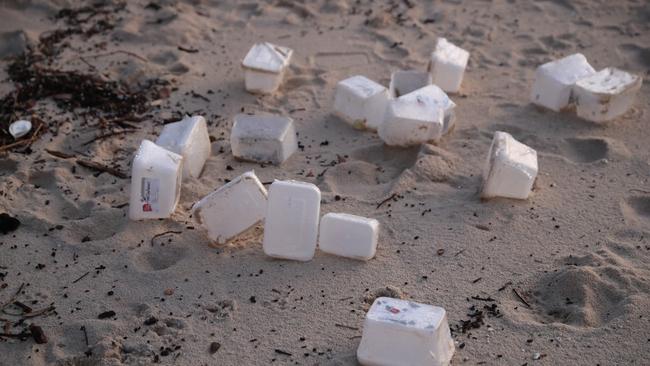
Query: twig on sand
[[521, 298], [119, 51], [81, 277], [12, 299], [106, 135], [165, 233], [27, 142], [345, 326], [387, 199], [101, 168], [59, 154]]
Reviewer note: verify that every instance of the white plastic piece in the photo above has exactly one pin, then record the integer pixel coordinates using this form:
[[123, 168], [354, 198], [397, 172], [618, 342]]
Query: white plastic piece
[[291, 225], [361, 102], [20, 128], [263, 139], [348, 235], [188, 138], [401, 332], [511, 168], [448, 63], [232, 209], [264, 67], [605, 95], [414, 118], [155, 182], [554, 81], [403, 82]]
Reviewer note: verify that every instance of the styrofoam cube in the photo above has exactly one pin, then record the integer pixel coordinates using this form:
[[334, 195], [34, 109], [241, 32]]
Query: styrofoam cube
[[348, 235], [510, 170], [155, 182], [188, 138], [554, 81], [291, 225], [442, 99], [413, 119], [403, 82], [233, 208], [605, 95], [361, 102], [263, 139], [447, 67], [264, 67], [401, 332]]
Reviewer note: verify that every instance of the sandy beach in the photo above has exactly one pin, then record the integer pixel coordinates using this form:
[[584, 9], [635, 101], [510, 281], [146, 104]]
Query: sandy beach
[[562, 278]]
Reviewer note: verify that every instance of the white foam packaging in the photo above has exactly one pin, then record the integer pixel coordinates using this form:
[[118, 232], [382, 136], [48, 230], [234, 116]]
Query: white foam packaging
[[606, 95], [188, 138], [360, 102], [403, 82], [20, 128], [401, 332], [155, 182], [263, 139], [510, 170], [554, 81], [291, 224], [348, 235], [233, 208], [447, 65], [264, 67]]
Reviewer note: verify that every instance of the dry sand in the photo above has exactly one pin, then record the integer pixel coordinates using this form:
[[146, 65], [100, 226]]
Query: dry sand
[[578, 251]]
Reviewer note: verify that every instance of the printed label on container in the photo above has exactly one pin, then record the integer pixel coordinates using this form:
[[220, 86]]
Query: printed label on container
[[149, 194]]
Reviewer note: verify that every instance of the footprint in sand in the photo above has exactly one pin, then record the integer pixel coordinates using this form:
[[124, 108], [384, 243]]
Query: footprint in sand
[[159, 258], [636, 210], [585, 150]]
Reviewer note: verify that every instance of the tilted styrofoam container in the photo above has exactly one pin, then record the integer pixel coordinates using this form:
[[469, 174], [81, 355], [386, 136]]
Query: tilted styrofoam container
[[360, 102], [447, 66], [233, 208], [155, 182], [189, 138], [263, 139], [606, 94], [403, 82], [348, 235], [291, 224], [264, 67], [401, 332], [554, 81], [510, 170]]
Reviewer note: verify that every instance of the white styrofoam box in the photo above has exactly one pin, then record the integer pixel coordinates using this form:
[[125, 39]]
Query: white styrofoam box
[[263, 139], [361, 102], [291, 225], [442, 99], [403, 82], [155, 182], [413, 119], [511, 168], [233, 208], [605, 95], [264, 67], [348, 235], [188, 138], [447, 67], [554, 81], [20, 128], [401, 332]]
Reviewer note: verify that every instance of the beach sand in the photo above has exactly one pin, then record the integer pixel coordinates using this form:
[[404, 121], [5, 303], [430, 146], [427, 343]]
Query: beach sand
[[561, 278]]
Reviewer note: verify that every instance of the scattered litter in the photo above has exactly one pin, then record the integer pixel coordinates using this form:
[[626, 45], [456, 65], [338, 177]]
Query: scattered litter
[[448, 63], [510, 170], [348, 235], [188, 138], [264, 67], [20, 128], [401, 332], [554, 81], [291, 225], [360, 102], [403, 82], [233, 208], [263, 139], [605, 95], [155, 182]]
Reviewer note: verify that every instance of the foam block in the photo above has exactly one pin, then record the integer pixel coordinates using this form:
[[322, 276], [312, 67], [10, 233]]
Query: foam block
[[188, 138], [403, 82], [291, 226], [510, 170], [361, 102], [155, 182], [233, 208], [606, 95], [554, 81], [400, 332], [263, 139], [348, 235], [447, 66], [264, 67]]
